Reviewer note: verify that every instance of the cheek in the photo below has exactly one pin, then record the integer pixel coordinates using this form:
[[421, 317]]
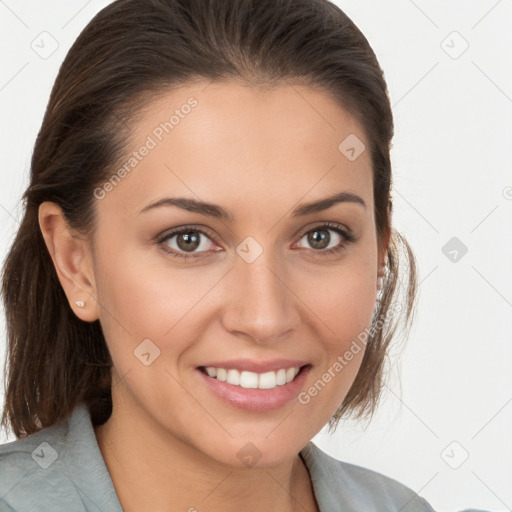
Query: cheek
[[143, 297], [342, 303], [343, 299], [343, 293]]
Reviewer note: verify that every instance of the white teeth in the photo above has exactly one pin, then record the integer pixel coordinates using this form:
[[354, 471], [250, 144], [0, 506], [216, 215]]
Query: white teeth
[[233, 377], [248, 380], [281, 377], [212, 372], [290, 374], [252, 380], [267, 380]]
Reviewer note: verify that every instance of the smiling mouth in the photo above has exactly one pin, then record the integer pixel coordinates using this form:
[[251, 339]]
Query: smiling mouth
[[253, 380]]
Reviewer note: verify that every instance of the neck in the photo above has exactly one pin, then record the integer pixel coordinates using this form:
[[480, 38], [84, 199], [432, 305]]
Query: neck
[[153, 470]]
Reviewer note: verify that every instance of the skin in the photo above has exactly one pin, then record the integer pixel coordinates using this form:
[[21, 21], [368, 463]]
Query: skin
[[170, 444]]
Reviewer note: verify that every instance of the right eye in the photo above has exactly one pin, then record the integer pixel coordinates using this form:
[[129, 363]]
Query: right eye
[[184, 241]]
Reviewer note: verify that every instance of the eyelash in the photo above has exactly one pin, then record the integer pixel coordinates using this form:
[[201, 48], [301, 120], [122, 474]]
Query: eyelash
[[345, 234]]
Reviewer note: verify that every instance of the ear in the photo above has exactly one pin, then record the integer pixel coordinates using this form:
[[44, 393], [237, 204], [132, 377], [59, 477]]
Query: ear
[[383, 251], [72, 260]]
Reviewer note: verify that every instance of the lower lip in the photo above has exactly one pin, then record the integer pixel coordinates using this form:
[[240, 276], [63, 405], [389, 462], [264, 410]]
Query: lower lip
[[259, 400]]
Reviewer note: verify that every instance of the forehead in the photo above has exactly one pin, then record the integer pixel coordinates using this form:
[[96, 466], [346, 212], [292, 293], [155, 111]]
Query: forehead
[[221, 140]]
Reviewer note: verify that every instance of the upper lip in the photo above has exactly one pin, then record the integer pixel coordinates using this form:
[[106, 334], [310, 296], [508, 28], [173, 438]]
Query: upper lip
[[250, 365]]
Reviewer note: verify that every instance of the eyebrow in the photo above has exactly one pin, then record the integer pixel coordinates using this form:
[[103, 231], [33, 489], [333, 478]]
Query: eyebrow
[[218, 212]]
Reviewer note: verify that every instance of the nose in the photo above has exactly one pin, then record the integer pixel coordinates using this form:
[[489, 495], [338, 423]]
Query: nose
[[261, 304]]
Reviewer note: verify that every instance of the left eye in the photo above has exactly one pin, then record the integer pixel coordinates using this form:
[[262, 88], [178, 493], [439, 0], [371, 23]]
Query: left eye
[[320, 238]]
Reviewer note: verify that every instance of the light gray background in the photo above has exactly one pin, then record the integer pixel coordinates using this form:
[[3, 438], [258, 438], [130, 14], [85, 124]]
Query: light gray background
[[452, 167]]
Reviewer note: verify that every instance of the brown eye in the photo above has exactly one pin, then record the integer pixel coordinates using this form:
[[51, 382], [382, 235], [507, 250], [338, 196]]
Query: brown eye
[[320, 238], [186, 242]]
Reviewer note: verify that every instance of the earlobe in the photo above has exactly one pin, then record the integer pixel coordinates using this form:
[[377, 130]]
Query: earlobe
[[380, 277], [71, 259]]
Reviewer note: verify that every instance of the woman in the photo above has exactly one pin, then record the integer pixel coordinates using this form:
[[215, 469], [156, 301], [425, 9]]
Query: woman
[[206, 273]]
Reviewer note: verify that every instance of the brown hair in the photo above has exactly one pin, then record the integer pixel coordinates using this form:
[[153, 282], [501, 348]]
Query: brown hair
[[131, 52]]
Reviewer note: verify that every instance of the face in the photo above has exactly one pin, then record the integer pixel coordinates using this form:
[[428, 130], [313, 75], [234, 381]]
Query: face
[[254, 282]]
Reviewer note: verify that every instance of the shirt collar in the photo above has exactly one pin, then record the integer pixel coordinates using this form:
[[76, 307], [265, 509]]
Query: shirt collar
[[91, 477]]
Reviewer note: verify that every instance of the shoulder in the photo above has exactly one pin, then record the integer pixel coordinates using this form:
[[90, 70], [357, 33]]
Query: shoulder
[[58, 468], [32, 471], [341, 485]]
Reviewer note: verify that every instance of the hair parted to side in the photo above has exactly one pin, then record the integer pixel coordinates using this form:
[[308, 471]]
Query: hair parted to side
[[130, 53]]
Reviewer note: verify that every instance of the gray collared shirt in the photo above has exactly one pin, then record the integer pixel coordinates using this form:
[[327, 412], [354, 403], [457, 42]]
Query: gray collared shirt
[[51, 471]]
